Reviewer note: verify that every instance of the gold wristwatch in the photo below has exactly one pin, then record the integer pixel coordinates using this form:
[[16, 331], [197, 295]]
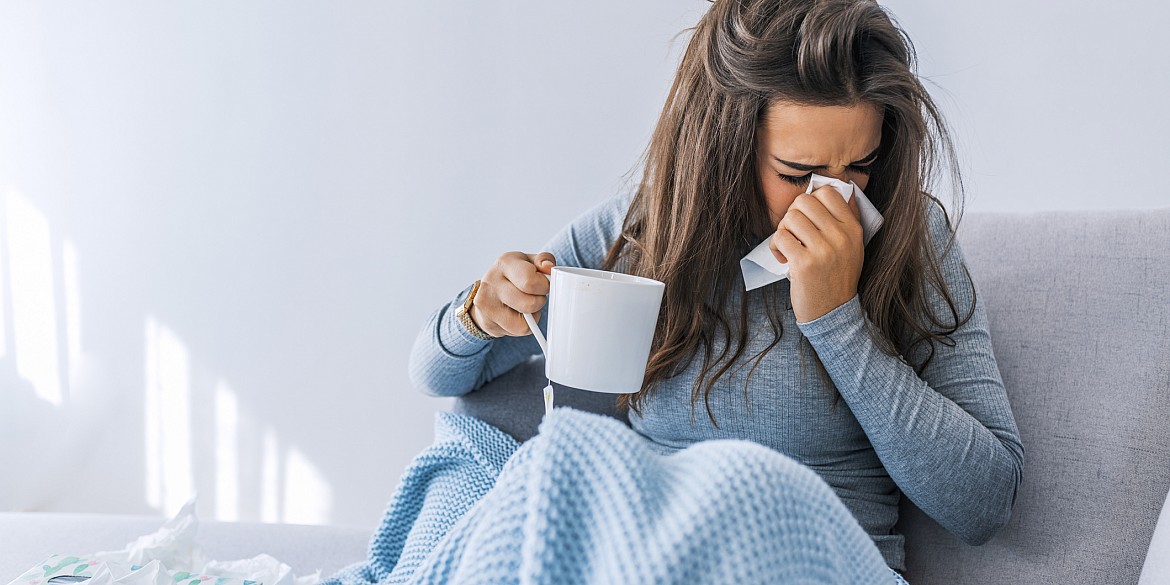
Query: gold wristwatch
[[463, 313]]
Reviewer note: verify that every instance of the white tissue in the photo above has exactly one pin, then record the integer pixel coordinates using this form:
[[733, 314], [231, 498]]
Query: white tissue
[[172, 545], [760, 266], [167, 556]]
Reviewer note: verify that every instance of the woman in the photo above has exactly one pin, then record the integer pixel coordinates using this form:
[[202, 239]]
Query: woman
[[878, 373]]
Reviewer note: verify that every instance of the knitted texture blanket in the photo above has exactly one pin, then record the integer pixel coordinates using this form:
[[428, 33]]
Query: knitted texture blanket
[[589, 500]]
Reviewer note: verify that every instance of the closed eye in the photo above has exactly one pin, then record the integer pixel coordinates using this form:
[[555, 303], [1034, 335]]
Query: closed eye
[[802, 179]]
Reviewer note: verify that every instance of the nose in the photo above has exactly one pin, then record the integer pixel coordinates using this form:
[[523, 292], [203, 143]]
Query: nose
[[841, 174]]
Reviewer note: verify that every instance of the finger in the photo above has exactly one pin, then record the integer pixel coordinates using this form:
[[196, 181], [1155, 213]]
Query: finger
[[787, 245], [814, 210], [523, 275], [834, 203], [845, 221], [486, 311], [799, 224], [522, 327], [780, 257], [506, 318], [515, 324], [855, 207], [539, 260], [500, 302], [518, 300]]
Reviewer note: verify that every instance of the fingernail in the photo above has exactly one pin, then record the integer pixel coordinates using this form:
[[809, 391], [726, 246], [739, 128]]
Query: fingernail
[[546, 263]]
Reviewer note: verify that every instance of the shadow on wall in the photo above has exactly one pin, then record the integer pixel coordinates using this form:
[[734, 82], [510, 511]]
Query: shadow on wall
[[189, 434]]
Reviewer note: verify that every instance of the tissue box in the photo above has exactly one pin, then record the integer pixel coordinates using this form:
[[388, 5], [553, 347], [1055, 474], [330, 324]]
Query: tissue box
[[60, 570]]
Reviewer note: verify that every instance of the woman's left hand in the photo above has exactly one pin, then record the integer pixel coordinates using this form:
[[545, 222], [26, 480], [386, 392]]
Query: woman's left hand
[[820, 239]]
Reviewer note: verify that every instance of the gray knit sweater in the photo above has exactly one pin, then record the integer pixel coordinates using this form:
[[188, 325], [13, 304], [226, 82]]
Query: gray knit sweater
[[947, 440]]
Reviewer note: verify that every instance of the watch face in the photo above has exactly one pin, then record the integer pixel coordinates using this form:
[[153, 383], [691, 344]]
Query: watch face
[[471, 296]]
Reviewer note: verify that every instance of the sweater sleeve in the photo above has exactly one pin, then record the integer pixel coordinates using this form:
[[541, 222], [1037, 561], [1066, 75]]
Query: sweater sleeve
[[948, 439], [447, 360]]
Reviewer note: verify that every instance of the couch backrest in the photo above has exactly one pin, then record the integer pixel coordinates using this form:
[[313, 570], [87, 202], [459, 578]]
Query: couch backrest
[[1079, 306]]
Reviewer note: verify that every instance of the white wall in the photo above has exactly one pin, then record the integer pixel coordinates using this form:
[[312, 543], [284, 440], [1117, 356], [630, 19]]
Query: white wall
[[1057, 105], [237, 217]]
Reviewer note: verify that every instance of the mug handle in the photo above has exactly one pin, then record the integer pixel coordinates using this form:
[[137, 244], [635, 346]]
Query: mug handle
[[532, 322]]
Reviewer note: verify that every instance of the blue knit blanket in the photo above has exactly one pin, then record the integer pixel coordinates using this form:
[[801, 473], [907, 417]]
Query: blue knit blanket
[[589, 500]]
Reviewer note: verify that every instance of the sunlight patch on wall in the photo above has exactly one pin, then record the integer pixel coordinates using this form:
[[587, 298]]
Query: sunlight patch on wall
[[169, 482], [72, 304], [4, 279], [30, 277], [227, 462], [270, 478], [308, 497]]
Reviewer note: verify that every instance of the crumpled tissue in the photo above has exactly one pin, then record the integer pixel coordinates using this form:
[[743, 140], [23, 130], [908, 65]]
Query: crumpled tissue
[[760, 266], [168, 556]]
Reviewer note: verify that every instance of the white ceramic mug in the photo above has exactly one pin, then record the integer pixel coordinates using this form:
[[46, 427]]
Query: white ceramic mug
[[600, 327]]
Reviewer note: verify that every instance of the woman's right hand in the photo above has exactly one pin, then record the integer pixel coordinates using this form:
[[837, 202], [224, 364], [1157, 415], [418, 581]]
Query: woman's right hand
[[512, 286]]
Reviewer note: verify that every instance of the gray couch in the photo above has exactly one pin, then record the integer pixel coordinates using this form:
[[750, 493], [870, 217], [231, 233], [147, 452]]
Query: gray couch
[[1079, 305], [1080, 314]]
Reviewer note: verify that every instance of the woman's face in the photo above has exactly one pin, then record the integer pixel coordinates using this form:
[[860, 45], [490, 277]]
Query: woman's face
[[832, 141]]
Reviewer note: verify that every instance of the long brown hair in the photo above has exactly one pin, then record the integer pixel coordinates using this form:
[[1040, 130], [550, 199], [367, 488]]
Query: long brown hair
[[698, 208]]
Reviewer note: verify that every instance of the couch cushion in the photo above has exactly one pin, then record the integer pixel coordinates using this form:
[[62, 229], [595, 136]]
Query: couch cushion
[[1156, 570], [1079, 306]]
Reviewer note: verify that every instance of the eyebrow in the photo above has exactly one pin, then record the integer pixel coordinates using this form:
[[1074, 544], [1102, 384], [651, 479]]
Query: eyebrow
[[801, 167]]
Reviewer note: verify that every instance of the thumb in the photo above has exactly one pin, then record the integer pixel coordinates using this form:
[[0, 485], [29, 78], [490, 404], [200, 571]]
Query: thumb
[[544, 261]]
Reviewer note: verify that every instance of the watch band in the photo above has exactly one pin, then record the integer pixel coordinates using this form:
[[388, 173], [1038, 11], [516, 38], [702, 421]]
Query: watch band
[[463, 313]]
